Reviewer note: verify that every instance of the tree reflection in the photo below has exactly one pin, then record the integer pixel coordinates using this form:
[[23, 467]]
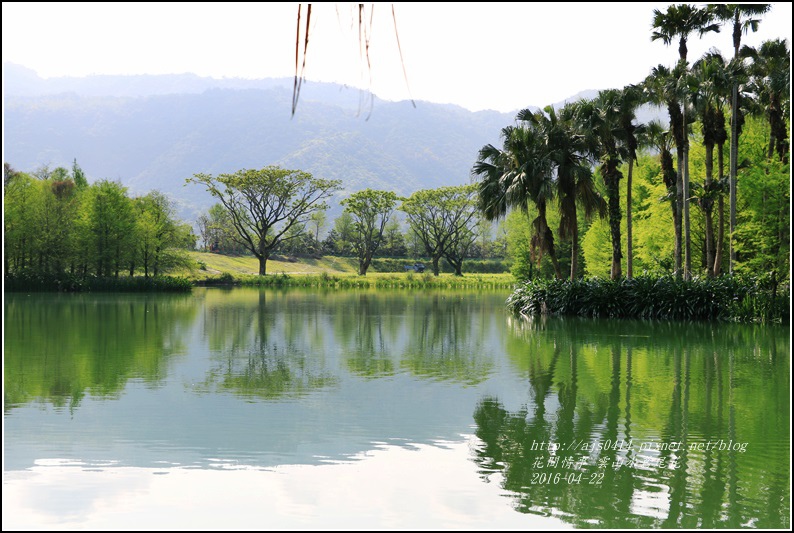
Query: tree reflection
[[59, 348], [610, 387], [262, 349]]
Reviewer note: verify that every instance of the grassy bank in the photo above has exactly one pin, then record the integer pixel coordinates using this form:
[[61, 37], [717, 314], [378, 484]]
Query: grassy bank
[[340, 272]]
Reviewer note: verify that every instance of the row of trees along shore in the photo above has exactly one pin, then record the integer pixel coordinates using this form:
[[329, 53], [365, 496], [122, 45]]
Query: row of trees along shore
[[548, 158], [59, 231], [266, 210], [558, 171]]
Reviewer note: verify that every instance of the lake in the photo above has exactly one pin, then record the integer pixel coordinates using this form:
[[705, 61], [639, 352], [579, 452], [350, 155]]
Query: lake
[[384, 409]]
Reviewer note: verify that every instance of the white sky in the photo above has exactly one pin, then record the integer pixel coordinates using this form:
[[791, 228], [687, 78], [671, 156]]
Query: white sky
[[501, 56]]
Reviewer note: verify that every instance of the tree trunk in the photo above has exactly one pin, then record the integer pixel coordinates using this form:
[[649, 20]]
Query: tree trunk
[[717, 266], [679, 195], [574, 248], [363, 265], [629, 246], [434, 262], [612, 181], [708, 207], [734, 159], [263, 264], [456, 264], [685, 202]]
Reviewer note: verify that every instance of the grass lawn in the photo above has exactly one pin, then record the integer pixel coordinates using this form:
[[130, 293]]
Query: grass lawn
[[329, 270], [236, 265]]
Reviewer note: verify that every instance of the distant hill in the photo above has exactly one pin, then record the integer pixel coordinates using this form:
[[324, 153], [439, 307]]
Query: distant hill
[[153, 132]]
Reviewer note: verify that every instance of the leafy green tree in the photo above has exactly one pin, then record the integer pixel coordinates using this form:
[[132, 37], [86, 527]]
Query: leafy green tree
[[393, 239], [20, 206], [299, 242], [764, 215], [317, 221], [518, 240], [464, 218], [340, 238], [444, 220], [265, 204], [159, 235], [111, 223], [371, 211], [60, 205], [79, 176], [9, 173], [217, 231]]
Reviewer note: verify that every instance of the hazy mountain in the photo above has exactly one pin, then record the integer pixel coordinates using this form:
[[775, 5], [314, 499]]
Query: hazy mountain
[[153, 132]]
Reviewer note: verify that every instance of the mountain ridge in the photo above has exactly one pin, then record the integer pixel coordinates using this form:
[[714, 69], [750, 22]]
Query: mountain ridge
[[152, 132]]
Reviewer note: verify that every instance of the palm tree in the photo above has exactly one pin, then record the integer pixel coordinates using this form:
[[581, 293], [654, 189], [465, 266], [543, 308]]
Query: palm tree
[[771, 80], [602, 118], [711, 86], [661, 88], [631, 100], [519, 173], [660, 138], [743, 17], [679, 21], [568, 153]]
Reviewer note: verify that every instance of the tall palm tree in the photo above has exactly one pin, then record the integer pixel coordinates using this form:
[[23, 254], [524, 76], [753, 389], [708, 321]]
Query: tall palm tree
[[771, 81], [661, 88], [711, 85], [679, 21], [631, 99], [513, 177], [744, 18], [602, 119], [660, 138], [567, 151]]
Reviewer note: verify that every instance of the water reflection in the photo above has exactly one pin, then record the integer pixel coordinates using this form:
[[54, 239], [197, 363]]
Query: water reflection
[[250, 380], [58, 348], [644, 425], [263, 349], [243, 376]]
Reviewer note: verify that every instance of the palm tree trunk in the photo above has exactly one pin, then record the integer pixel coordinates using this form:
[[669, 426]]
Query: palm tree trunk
[[574, 248], [679, 202], [629, 245], [685, 201], [708, 207], [717, 265], [612, 181], [734, 160]]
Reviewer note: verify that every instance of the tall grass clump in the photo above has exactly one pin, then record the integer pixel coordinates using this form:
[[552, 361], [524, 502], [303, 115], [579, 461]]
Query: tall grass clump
[[727, 298], [36, 282]]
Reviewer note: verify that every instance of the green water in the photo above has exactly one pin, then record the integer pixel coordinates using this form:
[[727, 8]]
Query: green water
[[296, 409]]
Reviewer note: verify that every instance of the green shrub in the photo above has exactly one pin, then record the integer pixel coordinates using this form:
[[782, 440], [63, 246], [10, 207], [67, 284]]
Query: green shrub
[[744, 299]]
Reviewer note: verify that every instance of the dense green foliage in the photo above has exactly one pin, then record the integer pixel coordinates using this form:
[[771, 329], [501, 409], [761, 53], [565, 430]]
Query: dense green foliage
[[30, 281], [446, 221], [62, 233], [728, 298], [267, 206], [371, 211]]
